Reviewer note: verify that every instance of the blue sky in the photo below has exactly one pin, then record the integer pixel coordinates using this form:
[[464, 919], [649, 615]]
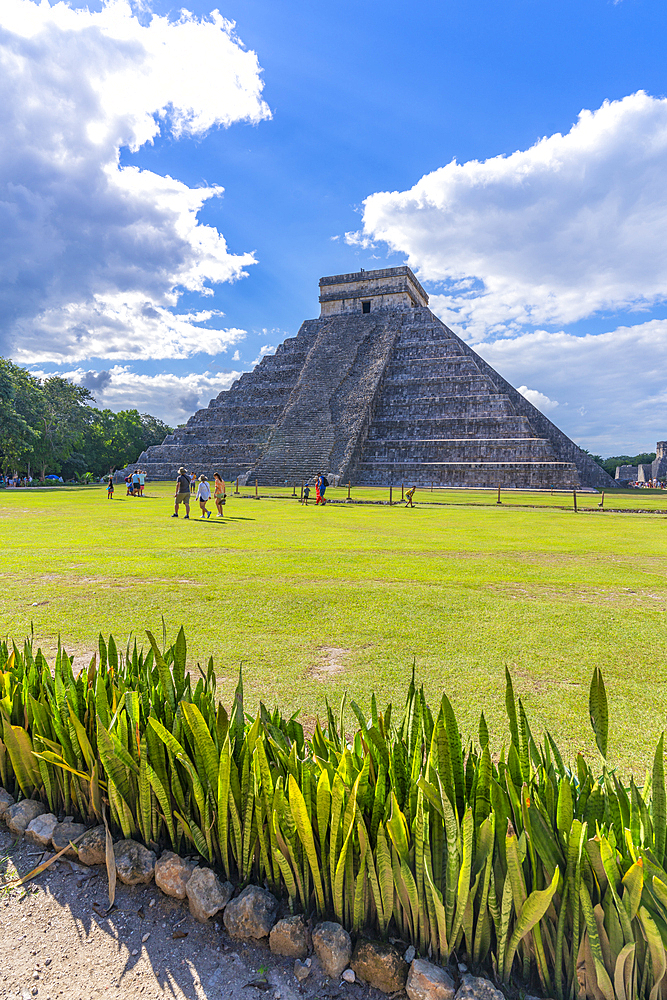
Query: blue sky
[[543, 244]]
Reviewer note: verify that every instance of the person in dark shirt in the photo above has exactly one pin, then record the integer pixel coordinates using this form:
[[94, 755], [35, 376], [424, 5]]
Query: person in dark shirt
[[182, 494]]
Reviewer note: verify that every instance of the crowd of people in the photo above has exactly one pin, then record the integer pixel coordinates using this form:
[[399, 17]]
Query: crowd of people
[[189, 484], [650, 484], [16, 481], [135, 483]]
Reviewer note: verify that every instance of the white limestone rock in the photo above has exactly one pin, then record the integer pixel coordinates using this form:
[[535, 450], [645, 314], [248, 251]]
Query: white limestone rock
[[20, 816], [427, 981], [40, 830], [207, 895], [172, 874], [333, 947]]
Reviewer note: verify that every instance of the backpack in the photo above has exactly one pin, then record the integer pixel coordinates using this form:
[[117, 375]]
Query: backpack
[[325, 481]]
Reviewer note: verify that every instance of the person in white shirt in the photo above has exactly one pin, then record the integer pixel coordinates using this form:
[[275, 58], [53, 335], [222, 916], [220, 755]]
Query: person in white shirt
[[142, 483], [204, 495]]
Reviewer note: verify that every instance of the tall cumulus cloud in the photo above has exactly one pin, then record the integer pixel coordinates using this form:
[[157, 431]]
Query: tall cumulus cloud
[[94, 255], [572, 227], [552, 234]]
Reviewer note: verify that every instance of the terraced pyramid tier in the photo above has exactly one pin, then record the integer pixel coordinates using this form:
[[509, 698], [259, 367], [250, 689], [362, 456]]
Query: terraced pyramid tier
[[376, 391]]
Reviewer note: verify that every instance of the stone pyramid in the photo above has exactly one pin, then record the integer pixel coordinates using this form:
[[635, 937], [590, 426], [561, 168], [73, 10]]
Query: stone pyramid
[[376, 391]]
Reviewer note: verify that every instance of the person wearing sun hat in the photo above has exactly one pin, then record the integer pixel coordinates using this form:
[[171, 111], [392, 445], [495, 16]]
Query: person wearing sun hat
[[182, 494]]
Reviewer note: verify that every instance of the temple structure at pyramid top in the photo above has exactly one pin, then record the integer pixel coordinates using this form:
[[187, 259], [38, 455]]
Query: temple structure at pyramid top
[[376, 391], [392, 288]]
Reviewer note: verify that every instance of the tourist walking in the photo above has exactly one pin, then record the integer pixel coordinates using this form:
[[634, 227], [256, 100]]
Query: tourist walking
[[306, 493], [193, 482], [204, 495], [321, 484], [408, 497], [219, 495], [182, 494], [110, 488]]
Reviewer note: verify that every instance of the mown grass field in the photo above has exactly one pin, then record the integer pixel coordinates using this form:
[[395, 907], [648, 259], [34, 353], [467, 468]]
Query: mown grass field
[[318, 601]]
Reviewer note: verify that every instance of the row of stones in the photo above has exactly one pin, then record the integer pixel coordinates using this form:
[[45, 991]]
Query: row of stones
[[250, 916]]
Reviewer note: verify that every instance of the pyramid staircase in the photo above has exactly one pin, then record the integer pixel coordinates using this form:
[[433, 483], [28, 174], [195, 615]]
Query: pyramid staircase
[[439, 418]]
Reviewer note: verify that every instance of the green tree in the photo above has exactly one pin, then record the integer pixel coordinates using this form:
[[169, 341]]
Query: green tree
[[63, 418], [114, 440], [20, 407]]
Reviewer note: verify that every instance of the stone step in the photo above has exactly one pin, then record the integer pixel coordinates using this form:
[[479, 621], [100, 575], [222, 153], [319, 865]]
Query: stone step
[[449, 427], [450, 450], [517, 475], [431, 407]]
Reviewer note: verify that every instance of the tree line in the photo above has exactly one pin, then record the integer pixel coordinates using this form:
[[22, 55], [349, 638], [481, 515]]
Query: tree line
[[50, 427]]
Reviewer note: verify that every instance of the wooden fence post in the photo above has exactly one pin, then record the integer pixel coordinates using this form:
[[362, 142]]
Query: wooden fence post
[[256, 493], [574, 494], [237, 485], [499, 500], [402, 497], [390, 491], [601, 504]]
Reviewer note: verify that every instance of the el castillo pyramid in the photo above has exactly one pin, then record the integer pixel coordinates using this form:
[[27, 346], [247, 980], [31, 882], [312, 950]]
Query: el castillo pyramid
[[376, 391]]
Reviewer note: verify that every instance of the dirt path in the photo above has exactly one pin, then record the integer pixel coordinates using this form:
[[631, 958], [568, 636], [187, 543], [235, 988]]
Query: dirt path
[[54, 944]]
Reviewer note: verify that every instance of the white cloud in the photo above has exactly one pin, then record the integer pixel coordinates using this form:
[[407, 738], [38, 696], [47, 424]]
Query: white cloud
[[574, 225], [172, 398], [263, 351], [611, 387], [119, 327], [538, 399], [89, 247]]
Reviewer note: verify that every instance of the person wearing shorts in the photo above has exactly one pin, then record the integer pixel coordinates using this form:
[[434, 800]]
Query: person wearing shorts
[[219, 493], [204, 495], [135, 484], [142, 483], [182, 494]]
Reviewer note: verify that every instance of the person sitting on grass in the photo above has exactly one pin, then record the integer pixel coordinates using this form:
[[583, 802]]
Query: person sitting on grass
[[182, 494], [408, 497], [219, 494], [204, 495], [110, 488]]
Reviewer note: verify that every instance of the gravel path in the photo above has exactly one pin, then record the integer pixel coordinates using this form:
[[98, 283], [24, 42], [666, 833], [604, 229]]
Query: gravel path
[[56, 944]]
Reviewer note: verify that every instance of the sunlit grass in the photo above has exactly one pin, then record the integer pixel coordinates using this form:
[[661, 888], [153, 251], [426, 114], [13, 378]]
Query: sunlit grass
[[314, 601]]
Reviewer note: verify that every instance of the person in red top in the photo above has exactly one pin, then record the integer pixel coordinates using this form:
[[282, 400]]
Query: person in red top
[[182, 494]]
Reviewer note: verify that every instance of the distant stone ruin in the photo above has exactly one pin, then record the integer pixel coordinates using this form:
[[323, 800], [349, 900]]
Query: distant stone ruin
[[376, 391], [645, 472], [626, 473]]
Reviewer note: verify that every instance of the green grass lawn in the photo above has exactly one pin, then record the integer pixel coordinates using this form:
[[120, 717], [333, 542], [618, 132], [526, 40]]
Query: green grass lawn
[[317, 601]]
